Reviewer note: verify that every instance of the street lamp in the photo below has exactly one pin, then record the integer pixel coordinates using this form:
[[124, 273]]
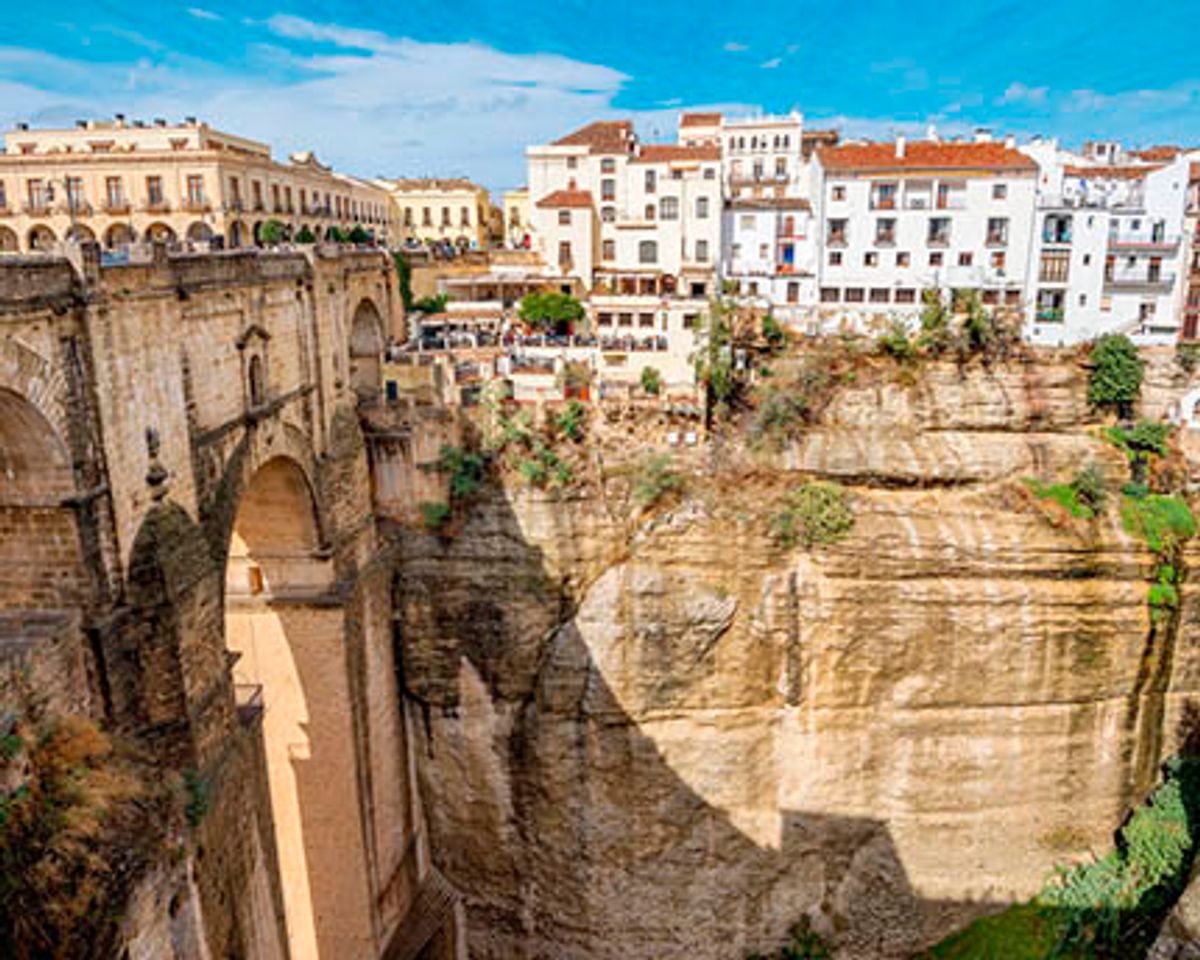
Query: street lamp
[[72, 234]]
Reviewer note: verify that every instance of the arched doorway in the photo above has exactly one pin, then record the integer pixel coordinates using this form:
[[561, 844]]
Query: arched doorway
[[366, 350], [159, 233], [119, 235], [42, 238], [81, 234], [285, 625], [8, 241], [41, 563], [199, 232]]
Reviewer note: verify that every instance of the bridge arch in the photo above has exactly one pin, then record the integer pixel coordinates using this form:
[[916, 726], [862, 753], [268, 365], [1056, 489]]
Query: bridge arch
[[366, 349], [285, 632]]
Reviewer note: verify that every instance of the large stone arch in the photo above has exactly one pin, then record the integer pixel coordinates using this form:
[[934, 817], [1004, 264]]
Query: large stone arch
[[119, 235], [366, 349], [199, 232], [8, 240], [285, 631], [41, 238]]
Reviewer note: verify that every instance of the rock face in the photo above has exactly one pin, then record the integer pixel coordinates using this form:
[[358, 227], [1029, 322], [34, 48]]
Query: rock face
[[659, 735]]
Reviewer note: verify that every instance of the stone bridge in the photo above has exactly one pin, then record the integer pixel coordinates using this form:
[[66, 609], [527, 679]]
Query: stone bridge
[[188, 555]]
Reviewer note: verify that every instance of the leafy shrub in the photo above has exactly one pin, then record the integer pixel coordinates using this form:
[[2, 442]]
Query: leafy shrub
[[358, 234], [432, 304], [570, 421], [773, 332], [550, 310], [197, 789], [465, 470], [935, 333], [1091, 488], [816, 513], [651, 381], [273, 232], [1187, 356], [404, 279], [781, 412], [435, 515], [1162, 522], [1145, 438], [896, 343], [806, 944], [1116, 377], [305, 235], [656, 478]]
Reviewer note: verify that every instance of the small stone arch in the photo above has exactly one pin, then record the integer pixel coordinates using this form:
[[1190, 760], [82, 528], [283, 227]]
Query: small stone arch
[[41, 238], [366, 349], [8, 241], [81, 233], [159, 233], [199, 232], [119, 235]]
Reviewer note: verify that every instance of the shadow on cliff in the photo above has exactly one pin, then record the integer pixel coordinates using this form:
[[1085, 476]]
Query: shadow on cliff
[[565, 828]]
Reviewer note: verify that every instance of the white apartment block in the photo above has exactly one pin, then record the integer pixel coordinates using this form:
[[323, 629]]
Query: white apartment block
[[900, 217], [1112, 255], [769, 258]]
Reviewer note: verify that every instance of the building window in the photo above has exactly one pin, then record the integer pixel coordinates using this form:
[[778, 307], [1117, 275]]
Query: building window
[[564, 218], [793, 292], [830, 295], [883, 196], [426, 217], [604, 319], [837, 232], [645, 320], [702, 208], [114, 193], [649, 211], [647, 252], [702, 250], [881, 295], [608, 165], [608, 250], [608, 214], [256, 192], [997, 231], [572, 163], [906, 295], [885, 231], [854, 294], [999, 191], [871, 259], [835, 258], [998, 259], [445, 216], [669, 208], [839, 192], [939, 231], [903, 259], [154, 191], [1057, 228], [195, 190], [1050, 305], [74, 193], [689, 321], [780, 167], [651, 181], [465, 216], [966, 258], [3, 196], [1055, 266], [710, 173], [608, 189], [564, 254], [936, 258], [408, 216]]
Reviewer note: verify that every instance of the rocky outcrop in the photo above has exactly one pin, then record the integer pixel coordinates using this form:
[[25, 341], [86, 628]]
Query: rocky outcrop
[[660, 735]]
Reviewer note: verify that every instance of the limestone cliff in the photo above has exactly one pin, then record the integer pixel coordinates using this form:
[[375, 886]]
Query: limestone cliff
[[657, 734]]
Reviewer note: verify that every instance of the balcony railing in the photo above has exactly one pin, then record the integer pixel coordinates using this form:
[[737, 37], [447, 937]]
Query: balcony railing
[[1057, 237], [1050, 315], [196, 205], [156, 206], [939, 240], [883, 203], [37, 209], [885, 239], [1132, 242], [997, 240], [836, 240], [117, 207], [1145, 281], [918, 201], [952, 203]]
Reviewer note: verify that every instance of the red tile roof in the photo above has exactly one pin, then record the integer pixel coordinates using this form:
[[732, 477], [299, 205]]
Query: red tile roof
[[566, 198], [925, 155], [1195, 172], [1161, 152], [1110, 173], [603, 136], [672, 152], [699, 119]]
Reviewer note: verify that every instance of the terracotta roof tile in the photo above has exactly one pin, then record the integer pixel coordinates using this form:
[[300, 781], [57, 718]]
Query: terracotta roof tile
[[672, 152], [1110, 173], [700, 119], [566, 198], [1195, 172], [1160, 152], [434, 183], [925, 155], [603, 136]]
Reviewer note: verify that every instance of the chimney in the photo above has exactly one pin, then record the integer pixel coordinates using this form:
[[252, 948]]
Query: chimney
[[160, 122], [900, 146], [983, 135], [931, 133], [120, 117], [81, 124], [190, 121], [22, 126], [1010, 142]]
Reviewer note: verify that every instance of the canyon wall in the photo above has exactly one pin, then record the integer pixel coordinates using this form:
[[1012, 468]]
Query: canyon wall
[[658, 734]]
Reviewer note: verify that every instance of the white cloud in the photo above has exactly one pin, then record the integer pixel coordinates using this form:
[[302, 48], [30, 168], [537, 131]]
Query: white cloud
[[369, 104], [793, 48], [734, 47], [201, 14], [772, 63], [1018, 92]]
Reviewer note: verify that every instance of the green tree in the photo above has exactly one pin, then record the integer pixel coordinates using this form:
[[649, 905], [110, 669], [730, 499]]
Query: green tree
[[335, 235], [651, 381], [358, 234], [935, 323], [305, 235], [434, 304], [550, 311], [814, 514], [1116, 377], [773, 333], [273, 233], [404, 279]]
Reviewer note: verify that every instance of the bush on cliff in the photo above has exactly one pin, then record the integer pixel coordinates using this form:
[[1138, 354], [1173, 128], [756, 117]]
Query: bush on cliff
[[1084, 497], [655, 479], [814, 514], [1162, 522], [1116, 377]]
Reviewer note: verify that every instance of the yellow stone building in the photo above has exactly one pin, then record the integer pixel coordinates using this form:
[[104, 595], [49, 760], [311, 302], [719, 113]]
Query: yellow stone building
[[453, 210], [118, 182], [518, 227]]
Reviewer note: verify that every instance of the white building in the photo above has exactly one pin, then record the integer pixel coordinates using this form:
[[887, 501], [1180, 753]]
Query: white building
[[896, 218], [1111, 252], [769, 257]]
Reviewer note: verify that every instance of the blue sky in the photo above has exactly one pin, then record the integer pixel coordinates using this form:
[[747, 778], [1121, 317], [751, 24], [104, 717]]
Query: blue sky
[[417, 88]]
